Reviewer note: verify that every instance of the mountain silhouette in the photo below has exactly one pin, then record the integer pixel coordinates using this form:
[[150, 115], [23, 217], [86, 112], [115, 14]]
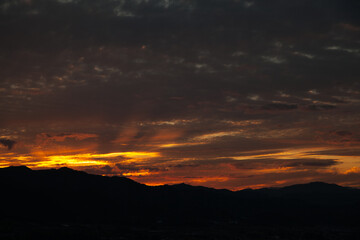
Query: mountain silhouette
[[66, 195]]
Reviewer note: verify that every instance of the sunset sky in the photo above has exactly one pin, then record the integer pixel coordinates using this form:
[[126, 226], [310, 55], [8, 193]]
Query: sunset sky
[[221, 93]]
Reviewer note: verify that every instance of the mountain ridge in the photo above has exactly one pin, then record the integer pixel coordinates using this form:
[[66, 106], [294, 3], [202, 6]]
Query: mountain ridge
[[66, 195], [177, 185]]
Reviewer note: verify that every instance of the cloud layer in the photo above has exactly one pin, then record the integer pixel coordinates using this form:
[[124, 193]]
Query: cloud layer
[[240, 93]]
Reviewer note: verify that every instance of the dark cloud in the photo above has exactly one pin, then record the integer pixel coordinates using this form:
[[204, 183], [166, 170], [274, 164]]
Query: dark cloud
[[262, 163], [340, 137], [338, 152], [133, 167], [7, 143], [226, 147], [316, 163], [60, 137], [302, 163], [279, 106], [105, 170], [343, 133], [314, 107]]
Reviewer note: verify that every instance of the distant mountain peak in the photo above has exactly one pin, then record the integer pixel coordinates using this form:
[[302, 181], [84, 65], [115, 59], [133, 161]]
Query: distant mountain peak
[[314, 187], [18, 168], [316, 184]]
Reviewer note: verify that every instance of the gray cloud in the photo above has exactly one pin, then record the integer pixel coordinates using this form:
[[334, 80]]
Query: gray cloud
[[314, 107], [7, 143], [338, 152], [263, 163], [133, 167], [279, 106]]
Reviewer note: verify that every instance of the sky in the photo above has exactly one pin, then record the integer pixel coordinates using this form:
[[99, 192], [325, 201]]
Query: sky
[[220, 93]]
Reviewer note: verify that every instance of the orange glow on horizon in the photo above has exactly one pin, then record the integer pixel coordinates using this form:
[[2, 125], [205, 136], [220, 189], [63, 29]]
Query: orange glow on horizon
[[42, 159], [154, 168], [138, 174]]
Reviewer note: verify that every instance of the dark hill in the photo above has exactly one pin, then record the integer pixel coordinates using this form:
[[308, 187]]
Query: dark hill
[[66, 195]]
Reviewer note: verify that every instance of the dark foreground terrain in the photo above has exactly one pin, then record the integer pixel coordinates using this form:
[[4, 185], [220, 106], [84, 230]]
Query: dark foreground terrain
[[68, 204], [227, 231]]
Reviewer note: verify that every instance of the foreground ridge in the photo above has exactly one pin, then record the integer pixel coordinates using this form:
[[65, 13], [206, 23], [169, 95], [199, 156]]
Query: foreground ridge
[[69, 195], [69, 204]]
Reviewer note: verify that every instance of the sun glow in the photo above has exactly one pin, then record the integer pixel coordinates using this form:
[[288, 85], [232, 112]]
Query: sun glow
[[69, 161], [137, 174], [75, 160]]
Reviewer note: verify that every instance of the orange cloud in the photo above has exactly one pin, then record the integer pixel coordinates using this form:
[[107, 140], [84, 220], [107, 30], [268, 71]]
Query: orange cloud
[[352, 170], [167, 135]]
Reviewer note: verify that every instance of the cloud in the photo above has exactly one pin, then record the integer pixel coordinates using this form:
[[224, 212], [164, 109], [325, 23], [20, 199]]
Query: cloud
[[222, 173], [279, 106], [7, 143], [270, 163], [130, 169], [353, 170], [274, 59], [347, 50], [261, 163], [339, 137], [61, 137], [305, 55], [343, 133], [103, 170], [319, 107], [338, 152]]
